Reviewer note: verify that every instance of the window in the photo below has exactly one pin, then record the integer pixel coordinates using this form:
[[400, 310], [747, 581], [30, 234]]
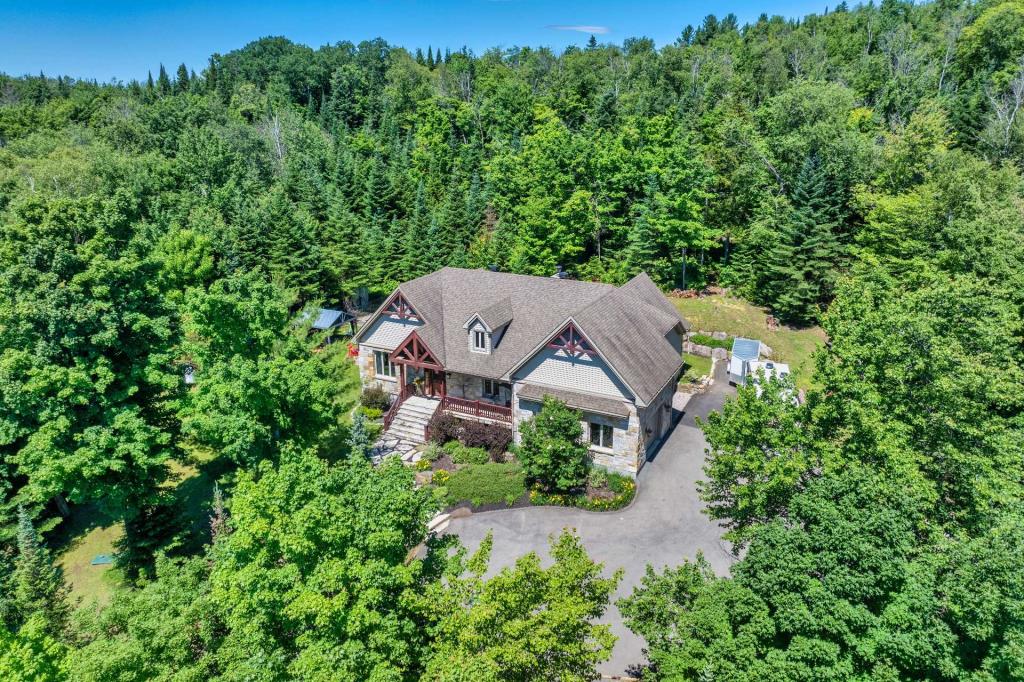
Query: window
[[491, 388], [385, 368], [601, 435], [479, 340]]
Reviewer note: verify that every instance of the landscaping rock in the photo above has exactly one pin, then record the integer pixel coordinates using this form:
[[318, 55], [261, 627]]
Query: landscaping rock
[[766, 350], [719, 336], [697, 349], [719, 353]]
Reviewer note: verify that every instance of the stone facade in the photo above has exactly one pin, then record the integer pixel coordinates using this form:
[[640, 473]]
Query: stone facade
[[368, 370], [471, 387], [626, 454]]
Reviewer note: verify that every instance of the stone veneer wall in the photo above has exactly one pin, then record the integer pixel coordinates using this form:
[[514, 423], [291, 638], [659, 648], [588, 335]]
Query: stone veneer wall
[[471, 387], [649, 418], [625, 456], [368, 371]]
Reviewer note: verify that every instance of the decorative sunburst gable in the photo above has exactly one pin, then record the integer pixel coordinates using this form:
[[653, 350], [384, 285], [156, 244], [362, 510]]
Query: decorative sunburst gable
[[399, 307], [572, 342], [413, 351]]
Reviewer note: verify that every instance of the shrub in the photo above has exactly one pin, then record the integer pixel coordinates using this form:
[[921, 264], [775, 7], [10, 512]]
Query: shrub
[[441, 477], [598, 478], [371, 413], [461, 454], [494, 438], [422, 464], [433, 452], [551, 451], [375, 397], [444, 427], [491, 437], [706, 340], [488, 483]]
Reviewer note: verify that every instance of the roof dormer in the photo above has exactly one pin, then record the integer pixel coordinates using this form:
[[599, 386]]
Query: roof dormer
[[480, 335]]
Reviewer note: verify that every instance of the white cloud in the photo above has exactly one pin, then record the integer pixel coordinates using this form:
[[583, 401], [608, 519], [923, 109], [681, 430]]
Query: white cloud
[[598, 30]]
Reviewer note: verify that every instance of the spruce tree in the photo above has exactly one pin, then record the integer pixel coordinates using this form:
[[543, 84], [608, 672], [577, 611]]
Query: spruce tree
[[801, 270], [294, 251], [430, 57], [345, 248], [416, 260], [358, 438], [163, 81], [37, 585], [181, 80]]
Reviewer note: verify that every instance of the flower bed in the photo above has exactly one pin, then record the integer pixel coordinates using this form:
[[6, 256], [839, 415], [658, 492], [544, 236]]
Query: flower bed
[[614, 492]]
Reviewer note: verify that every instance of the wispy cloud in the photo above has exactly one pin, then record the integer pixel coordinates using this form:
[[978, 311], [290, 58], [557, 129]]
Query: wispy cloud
[[581, 28]]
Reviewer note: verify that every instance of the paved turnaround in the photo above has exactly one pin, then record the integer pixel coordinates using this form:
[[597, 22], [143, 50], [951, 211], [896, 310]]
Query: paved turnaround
[[663, 526]]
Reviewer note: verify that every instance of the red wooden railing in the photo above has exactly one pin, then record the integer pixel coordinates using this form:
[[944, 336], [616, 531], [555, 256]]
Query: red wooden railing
[[389, 416], [476, 408]]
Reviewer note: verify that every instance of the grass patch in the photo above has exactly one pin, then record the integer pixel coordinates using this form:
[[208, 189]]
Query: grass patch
[[87, 533], [490, 483], [736, 317], [694, 367]]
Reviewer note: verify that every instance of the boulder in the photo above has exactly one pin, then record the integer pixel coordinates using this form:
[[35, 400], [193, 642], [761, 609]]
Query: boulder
[[766, 350], [697, 349], [719, 353], [719, 336]]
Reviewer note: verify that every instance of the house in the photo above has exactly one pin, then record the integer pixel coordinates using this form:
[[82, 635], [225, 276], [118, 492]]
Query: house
[[489, 346]]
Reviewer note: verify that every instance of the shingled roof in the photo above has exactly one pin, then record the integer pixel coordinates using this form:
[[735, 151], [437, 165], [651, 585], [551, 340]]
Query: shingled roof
[[627, 325]]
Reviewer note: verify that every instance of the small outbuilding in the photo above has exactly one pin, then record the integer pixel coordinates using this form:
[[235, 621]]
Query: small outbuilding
[[330, 321], [744, 353]]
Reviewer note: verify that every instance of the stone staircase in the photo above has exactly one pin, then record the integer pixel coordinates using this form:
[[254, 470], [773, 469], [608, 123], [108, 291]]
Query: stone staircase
[[412, 419]]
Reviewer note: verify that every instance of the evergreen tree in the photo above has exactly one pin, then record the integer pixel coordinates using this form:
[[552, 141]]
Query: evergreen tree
[[430, 57], [38, 586], [149, 82], [181, 80], [416, 260], [163, 82], [294, 255], [358, 438], [801, 269], [345, 249]]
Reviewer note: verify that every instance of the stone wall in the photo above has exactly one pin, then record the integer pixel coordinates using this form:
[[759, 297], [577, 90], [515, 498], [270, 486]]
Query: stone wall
[[368, 371], [471, 387], [625, 457]]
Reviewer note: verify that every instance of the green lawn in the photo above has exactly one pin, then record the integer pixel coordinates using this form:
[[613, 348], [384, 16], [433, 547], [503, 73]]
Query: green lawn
[[486, 483], [736, 317], [694, 367]]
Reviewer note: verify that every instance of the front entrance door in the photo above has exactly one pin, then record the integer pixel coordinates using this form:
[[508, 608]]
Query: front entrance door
[[425, 382]]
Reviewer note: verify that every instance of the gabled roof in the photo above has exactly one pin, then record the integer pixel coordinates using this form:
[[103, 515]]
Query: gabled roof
[[628, 325]]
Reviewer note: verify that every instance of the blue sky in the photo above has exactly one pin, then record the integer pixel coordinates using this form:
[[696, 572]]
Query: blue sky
[[118, 39]]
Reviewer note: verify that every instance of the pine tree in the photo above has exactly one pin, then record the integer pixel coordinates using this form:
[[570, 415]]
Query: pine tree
[[419, 56], [803, 267], [149, 82], [378, 194], [430, 57], [38, 586], [358, 438], [294, 252], [416, 260], [181, 80], [345, 248], [643, 250], [592, 43], [163, 82]]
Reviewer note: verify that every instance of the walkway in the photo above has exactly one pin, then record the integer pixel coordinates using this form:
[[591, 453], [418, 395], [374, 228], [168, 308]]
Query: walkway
[[663, 526]]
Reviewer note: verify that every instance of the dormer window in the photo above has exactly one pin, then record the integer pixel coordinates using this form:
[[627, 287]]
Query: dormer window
[[479, 341]]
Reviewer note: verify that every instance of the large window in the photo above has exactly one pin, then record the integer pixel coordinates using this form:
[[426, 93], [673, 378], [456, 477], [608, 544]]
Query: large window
[[479, 340], [601, 435], [385, 368], [491, 388]]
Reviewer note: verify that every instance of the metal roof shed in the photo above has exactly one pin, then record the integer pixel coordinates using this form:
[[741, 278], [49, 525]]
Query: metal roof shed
[[744, 352]]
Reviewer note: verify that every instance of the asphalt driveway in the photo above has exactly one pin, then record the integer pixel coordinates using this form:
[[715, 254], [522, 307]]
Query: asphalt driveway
[[663, 526]]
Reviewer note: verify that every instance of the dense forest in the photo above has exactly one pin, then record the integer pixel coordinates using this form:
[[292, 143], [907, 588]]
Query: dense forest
[[859, 169]]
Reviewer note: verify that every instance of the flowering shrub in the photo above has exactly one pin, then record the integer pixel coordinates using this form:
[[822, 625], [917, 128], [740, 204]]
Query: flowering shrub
[[623, 487], [441, 477]]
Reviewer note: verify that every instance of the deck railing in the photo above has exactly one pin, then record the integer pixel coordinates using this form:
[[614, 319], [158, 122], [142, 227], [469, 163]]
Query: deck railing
[[389, 416], [477, 408]]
